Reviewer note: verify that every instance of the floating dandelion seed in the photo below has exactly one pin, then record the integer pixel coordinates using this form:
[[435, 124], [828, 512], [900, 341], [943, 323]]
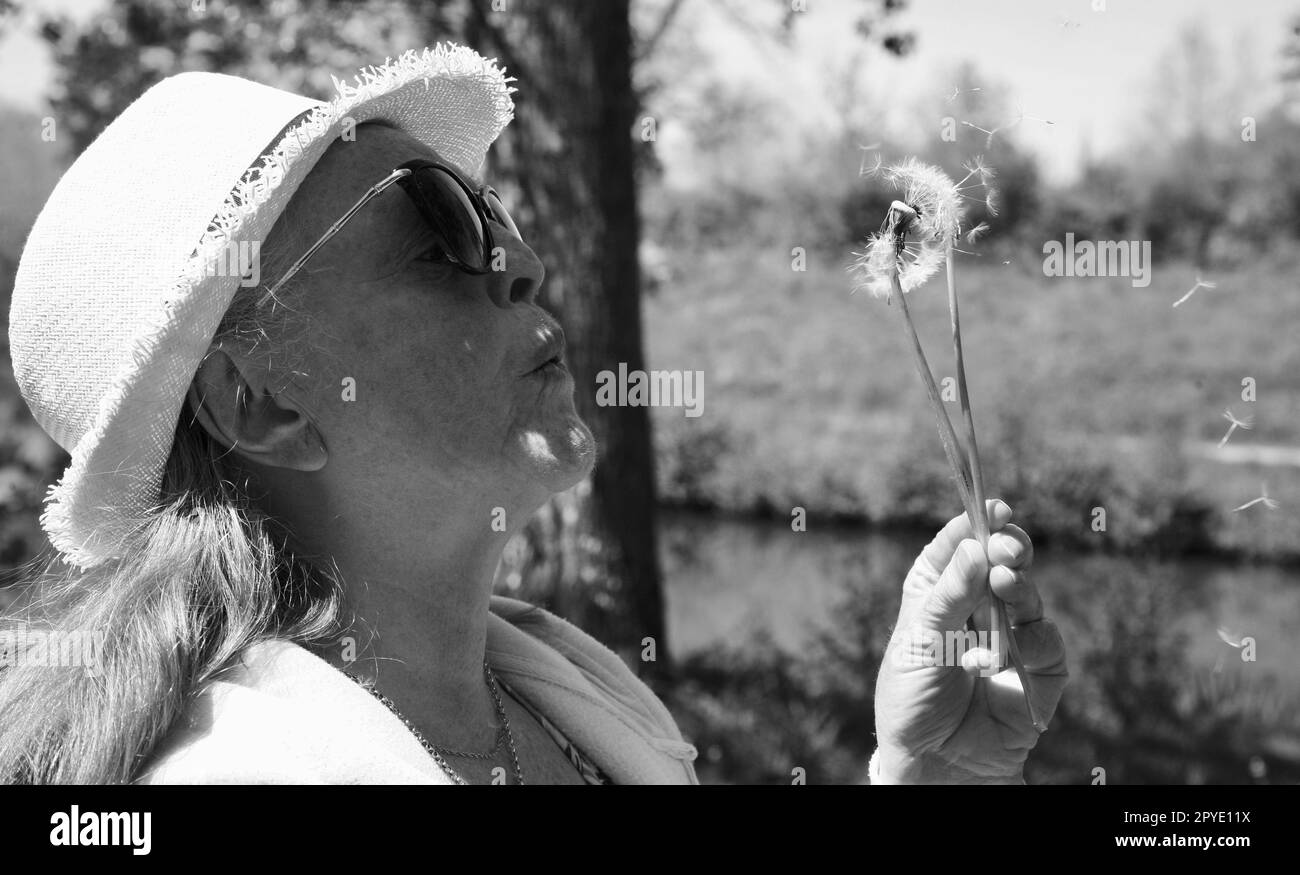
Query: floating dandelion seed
[[1034, 118], [1020, 117], [957, 92], [977, 167], [863, 170], [1263, 499], [1246, 423], [978, 231], [1229, 639], [876, 162], [1200, 284], [988, 139]]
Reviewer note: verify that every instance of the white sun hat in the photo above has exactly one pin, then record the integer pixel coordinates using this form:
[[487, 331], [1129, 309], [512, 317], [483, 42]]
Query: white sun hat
[[119, 291]]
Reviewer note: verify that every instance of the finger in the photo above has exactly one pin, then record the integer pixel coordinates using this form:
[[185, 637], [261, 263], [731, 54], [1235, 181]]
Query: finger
[[1043, 654], [939, 552], [979, 662], [1012, 586], [1042, 650], [1006, 704], [1011, 547], [959, 590], [1004, 697]]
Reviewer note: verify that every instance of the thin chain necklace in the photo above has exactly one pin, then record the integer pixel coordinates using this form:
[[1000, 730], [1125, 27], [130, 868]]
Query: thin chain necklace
[[437, 752]]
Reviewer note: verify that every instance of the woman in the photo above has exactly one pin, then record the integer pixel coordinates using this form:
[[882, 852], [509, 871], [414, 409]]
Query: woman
[[292, 480]]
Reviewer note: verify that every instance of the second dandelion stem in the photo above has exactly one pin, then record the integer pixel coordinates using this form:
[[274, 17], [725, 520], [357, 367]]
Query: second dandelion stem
[[979, 518]]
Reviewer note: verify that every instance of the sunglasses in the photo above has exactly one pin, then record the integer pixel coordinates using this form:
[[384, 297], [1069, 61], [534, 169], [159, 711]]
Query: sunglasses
[[457, 214]]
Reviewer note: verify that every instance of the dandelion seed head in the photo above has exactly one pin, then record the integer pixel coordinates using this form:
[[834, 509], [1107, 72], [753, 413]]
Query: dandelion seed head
[[933, 195], [927, 217]]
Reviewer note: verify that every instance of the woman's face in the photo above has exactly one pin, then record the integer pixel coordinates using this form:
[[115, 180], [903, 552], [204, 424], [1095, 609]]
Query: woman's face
[[423, 379]]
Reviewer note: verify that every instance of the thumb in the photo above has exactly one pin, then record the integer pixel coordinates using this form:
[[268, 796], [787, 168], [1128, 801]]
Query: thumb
[[959, 590]]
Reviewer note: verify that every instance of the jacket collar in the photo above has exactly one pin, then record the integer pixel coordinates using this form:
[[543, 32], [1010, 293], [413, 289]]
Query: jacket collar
[[589, 693]]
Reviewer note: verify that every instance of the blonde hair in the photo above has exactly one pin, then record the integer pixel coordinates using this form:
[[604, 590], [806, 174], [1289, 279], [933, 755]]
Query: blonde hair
[[204, 578]]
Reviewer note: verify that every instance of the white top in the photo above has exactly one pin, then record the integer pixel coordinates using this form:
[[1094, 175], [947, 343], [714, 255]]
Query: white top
[[287, 716]]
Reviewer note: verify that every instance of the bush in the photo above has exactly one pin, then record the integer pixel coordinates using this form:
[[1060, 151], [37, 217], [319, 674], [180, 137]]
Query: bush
[[1056, 482], [690, 452], [1135, 707]]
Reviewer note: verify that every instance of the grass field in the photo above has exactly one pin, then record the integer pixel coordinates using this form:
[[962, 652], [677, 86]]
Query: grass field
[[1086, 392]]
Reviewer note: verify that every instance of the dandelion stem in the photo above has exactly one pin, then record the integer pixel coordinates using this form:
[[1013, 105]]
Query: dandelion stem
[[979, 522], [979, 517], [946, 432]]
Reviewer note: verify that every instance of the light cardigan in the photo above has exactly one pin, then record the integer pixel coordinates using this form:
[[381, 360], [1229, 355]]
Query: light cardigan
[[286, 716]]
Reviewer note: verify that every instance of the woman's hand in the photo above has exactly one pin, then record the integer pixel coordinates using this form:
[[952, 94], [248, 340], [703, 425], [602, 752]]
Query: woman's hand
[[944, 723]]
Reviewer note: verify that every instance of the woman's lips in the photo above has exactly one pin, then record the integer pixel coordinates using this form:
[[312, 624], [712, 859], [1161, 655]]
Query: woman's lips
[[551, 368], [551, 351]]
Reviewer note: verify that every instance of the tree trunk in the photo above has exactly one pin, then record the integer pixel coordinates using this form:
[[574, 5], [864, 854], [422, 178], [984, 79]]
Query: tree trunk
[[572, 151]]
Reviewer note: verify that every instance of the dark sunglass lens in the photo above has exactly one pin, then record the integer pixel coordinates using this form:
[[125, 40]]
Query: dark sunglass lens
[[499, 211], [446, 205]]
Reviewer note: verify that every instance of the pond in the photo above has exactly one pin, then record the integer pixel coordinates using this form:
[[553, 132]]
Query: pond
[[728, 579]]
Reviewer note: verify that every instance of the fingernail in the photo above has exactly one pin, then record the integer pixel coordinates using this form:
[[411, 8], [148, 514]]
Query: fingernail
[[972, 555], [1011, 547]]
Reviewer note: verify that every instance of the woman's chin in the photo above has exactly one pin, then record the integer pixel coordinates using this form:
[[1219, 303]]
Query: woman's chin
[[560, 456]]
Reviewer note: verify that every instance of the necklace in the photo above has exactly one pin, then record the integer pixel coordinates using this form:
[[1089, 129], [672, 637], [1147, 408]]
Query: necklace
[[503, 731]]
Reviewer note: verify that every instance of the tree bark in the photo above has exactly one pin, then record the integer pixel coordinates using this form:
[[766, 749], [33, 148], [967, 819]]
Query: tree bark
[[571, 148]]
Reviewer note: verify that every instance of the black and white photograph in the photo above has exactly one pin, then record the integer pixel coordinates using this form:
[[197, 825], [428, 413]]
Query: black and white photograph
[[784, 393]]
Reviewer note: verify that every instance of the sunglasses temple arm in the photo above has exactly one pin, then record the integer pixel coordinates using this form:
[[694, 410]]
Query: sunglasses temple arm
[[371, 193]]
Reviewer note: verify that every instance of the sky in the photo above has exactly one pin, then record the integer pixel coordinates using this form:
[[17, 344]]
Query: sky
[[1086, 70], [1089, 72]]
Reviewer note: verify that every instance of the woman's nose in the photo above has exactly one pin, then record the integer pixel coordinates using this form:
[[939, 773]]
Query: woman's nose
[[516, 272]]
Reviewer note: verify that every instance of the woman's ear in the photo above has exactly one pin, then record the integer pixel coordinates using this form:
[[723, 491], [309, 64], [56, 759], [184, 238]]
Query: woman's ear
[[231, 400]]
